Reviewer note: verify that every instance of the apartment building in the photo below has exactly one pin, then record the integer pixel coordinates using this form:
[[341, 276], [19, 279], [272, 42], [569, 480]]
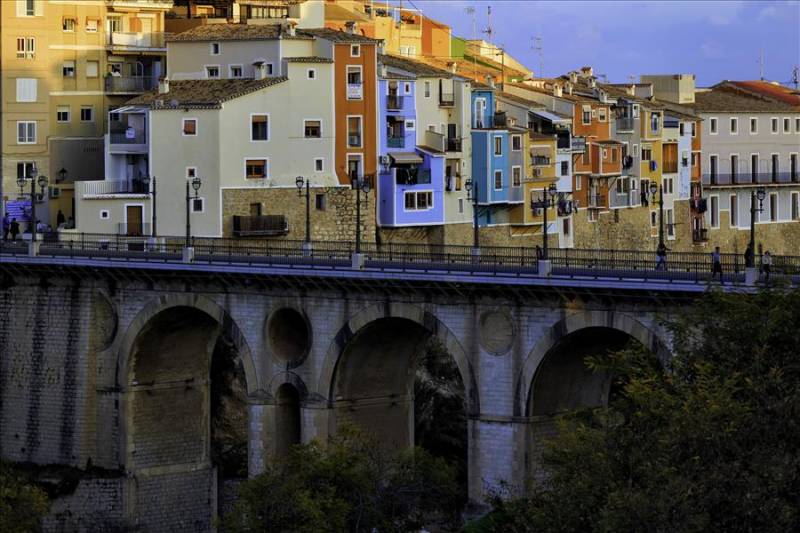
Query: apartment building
[[750, 142]]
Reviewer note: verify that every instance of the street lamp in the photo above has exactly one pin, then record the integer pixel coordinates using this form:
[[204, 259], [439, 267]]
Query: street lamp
[[35, 179], [547, 201], [472, 194], [195, 184], [300, 181], [760, 193], [61, 175], [660, 189], [146, 181], [359, 184]]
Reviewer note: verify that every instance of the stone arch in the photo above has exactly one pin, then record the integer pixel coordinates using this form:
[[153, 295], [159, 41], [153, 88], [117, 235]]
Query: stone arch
[[282, 378], [412, 313], [573, 323]]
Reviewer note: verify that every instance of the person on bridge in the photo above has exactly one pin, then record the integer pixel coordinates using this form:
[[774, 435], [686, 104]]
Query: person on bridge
[[716, 265], [14, 229], [6, 226], [61, 220], [749, 257], [661, 256], [766, 266]]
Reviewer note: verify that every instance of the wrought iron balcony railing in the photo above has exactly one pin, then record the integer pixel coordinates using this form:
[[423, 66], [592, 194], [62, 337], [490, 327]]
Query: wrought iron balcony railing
[[394, 102]]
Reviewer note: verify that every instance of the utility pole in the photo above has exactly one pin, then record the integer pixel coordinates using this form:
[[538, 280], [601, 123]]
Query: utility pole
[[761, 65], [537, 47]]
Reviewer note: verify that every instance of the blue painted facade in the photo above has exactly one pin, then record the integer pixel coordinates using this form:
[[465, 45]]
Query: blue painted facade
[[408, 194], [490, 160]]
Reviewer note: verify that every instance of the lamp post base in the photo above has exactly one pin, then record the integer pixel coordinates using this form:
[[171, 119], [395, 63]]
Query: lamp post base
[[358, 261], [750, 276], [307, 249], [188, 254], [545, 267], [475, 252], [33, 248]]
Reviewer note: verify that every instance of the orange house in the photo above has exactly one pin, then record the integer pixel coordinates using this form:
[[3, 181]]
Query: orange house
[[591, 120], [355, 101]]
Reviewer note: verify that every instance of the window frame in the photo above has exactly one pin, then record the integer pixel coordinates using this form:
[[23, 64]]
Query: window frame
[[268, 128], [90, 109], [211, 47], [753, 121], [97, 69], [427, 193], [266, 168], [355, 50], [192, 205], [35, 99], [497, 149], [733, 208], [305, 125], [68, 112], [774, 126], [602, 114], [311, 74], [516, 137], [787, 125], [497, 172], [713, 126], [88, 28], [733, 125], [26, 52], [27, 131], [66, 68], [426, 89], [241, 71], [191, 173], [774, 207], [515, 168], [183, 127], [354, 68], [207, 74], [64, 24], [794, 205], [319, 164], [360, 131], [713, 218]]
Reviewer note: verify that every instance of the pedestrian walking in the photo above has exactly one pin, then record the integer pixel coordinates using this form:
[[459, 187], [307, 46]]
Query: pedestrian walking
[[749, 257], [14, 229], [716, 265], [766, 266], [6, 226], [61, 220], [661, 256]]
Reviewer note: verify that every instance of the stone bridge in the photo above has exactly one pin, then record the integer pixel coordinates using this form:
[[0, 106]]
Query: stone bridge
[[110, 370]]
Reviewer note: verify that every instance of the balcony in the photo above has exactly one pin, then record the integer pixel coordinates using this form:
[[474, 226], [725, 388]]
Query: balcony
[[130, 84], [626, 198], [435, 141], [396, 142], [394, 102], [446, 99], [355, 91], [749, 178], [412, 176], [110, 187], [452, 183], [500, 120], [625, 124], [120, 41], [700, 235], [453, 144], [259, 226], [579, 144], [540, 161], [597, 201]]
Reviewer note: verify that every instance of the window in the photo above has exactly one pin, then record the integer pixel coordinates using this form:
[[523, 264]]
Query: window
[[26, 89], [198, 205], [68, 69], [564, 168], [354, 131], [670, 222], [427, 89], [516, 143], [26, 47], [793, 170], [410, 125], [189, 126], [694, 159], [320, 202], [407, 88], [62, 113], [680, 129], [30, 8], [753, 125], [498, 180], [354, 83], [259, 127], [734, 211], [235, 71], [312, 129], [460, 205], [586, 117], [212, 72], [255, 169], [774, 123], [734, 126], [498, 146], [647, 154], [668, 186], [355, 50], [694, 129], [68, 24], [269, 68], [319, 164], [565, 228], [114, 24], [774, 167], [578, 183], [516, 176], [104, 214], [655, 122], [215, 49], [714, 211], [797, 125], [311, 74], [754, 166], [26, 132], [773, 207], [92, 69], [787, 125], [712, 126], [191, 173], [796, 206], [87, 113], [91, 25], [602, 114], [417, 201]]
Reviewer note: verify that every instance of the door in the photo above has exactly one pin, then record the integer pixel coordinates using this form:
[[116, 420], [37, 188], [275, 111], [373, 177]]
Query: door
[[133, 219], [354, 167]]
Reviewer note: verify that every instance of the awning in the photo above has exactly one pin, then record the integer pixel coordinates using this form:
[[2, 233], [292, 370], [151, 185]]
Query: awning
[[406, 158]]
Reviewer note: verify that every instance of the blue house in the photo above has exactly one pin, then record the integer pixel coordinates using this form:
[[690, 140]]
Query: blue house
[[410, 178], [491, 171]]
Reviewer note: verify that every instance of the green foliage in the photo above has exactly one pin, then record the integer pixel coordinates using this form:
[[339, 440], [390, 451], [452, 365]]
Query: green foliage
[[349, 484], [708, 444], [22, 504]]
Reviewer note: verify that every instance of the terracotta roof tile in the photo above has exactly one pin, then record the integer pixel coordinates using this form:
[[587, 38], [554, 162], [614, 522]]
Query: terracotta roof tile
[[729, 99], [309, 59], [338, 36], [203, 94], [765, 88], [235, 32]]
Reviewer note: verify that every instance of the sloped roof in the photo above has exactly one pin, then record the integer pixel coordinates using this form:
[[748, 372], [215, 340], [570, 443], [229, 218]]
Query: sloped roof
[[417, 68], [337, 12], [765, 88], [309, 59], [338, 36], [732, 100], [235, 32], [518, 100], [204, 94]]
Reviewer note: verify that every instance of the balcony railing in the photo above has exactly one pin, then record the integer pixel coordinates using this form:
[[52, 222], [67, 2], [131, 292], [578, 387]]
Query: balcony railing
[[579, 144], [396, 142], [129, 137], [109, 187], [453, 144], [446, 99], [435, 140], [394, 102], [700, 235], [500, 120], [625, 124], [130, 84], [137, 40], [249, 226], [355, 91], [540, 161], [597, 201], [749, 178], [408, 176]]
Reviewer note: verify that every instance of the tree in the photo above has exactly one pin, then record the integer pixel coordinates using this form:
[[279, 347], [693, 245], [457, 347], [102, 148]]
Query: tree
[[22, 504], [349, 484], [709, 443]]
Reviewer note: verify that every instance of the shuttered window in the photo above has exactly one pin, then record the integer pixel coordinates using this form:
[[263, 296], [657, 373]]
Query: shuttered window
[[26, 89], [255, 169]]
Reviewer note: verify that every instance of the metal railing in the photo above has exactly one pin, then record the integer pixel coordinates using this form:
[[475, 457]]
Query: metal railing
[[394, 102], [134, 137], [119, 39], [612, 265], [453, 144], [134, 229], [540, 160], [396, 142], [700, 235], [750, 178], [446, 99], [355, 91], [130, 84], [625, 124], [104, 187]]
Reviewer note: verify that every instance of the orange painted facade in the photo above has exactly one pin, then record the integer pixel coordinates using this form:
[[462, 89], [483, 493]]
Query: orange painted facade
[[348, 107], [435, 38]]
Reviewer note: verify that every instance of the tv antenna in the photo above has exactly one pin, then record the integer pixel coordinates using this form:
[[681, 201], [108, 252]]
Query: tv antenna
[[471, 12], [489, 31], [761, 65], [537, 47]]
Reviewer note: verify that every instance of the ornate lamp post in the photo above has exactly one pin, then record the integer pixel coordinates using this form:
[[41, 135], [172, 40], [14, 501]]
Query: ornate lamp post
[[759, 194], [660, 189], [472, 195], [195, 184], [359, 184], [547, 201], [147, 180], [35, 179], [300, 182]]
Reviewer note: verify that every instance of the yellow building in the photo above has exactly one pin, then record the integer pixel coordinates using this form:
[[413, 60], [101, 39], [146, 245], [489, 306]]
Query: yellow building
[[540, 155], [65, 64]]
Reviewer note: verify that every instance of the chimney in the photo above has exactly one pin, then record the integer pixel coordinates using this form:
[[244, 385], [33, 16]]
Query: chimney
[[587, 72], [453, 67], [490, 81], [350, 26], [569, 87], [260, 69], [632, 90], [573, 77], [163, 86], [592, 82], [557, 90]]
